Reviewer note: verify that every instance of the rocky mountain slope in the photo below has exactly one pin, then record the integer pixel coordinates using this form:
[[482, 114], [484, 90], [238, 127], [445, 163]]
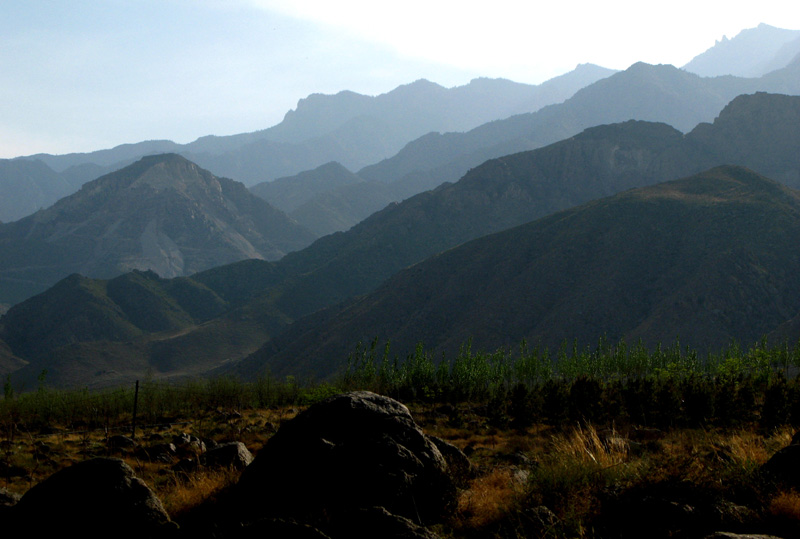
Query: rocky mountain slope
[[163, 213]]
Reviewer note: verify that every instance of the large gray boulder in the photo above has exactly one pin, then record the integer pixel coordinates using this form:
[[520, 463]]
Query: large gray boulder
[[351, 451], [101, 497]]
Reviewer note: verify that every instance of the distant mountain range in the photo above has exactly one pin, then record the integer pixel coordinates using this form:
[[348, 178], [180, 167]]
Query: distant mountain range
[[28, 186], [350, 128], [643, 92], [761, 131], [360, 131], [258, 299], [518, 188], [660, 93], [751, 53], [163, 213]]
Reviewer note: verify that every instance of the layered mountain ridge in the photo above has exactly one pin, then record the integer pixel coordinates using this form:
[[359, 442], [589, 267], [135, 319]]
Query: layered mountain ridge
[[261, 298], [558, 226]]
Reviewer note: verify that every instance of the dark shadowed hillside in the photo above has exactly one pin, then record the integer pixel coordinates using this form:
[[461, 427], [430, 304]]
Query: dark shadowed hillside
[[94, 332], [518, 188], [706, 259]]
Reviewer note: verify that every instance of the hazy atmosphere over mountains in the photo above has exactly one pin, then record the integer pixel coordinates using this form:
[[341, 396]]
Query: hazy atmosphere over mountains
[[640, 201], [94, 74]]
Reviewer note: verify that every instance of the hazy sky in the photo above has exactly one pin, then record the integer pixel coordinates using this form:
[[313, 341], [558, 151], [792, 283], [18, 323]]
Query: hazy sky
[[82, 75]]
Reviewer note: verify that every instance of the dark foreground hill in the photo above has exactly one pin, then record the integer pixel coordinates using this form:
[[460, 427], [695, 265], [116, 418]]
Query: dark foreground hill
[[706, 260], [162, 213]]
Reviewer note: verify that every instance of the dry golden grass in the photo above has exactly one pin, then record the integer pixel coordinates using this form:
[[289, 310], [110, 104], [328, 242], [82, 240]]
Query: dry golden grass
[[585, 444], [567, 469], [183, 494], [488, 498], [786, 506]]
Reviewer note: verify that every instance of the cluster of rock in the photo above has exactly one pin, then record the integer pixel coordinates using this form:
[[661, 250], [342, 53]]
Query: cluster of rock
[[355, 465], [684, 509]]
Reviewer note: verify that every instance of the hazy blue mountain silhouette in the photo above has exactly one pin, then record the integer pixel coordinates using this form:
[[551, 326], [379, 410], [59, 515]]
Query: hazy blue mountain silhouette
[[751, 53]]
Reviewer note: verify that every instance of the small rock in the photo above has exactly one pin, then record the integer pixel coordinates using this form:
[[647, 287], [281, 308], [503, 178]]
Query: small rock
[[230, 455], [121, 442], [8, 498]]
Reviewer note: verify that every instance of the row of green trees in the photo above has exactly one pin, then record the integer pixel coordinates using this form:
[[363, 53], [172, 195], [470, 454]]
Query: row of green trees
[[607, 383], [152, 402], [475, 375], [663, 387]]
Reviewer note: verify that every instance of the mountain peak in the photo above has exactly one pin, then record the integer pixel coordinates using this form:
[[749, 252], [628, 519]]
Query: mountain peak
[[171, 171], [162, 213], [751, 53]]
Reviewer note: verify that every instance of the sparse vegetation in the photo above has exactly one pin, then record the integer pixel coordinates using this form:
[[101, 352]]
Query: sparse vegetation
[[585, 433]]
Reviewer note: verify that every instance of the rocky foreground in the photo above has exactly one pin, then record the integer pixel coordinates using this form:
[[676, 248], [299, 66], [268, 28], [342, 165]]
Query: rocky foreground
[[357, 465]]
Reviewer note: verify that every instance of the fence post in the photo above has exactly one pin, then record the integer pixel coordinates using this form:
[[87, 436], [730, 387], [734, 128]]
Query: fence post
[[135, 406]]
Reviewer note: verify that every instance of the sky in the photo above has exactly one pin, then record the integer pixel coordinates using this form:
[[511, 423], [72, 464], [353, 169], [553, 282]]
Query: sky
[[83, 75]]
